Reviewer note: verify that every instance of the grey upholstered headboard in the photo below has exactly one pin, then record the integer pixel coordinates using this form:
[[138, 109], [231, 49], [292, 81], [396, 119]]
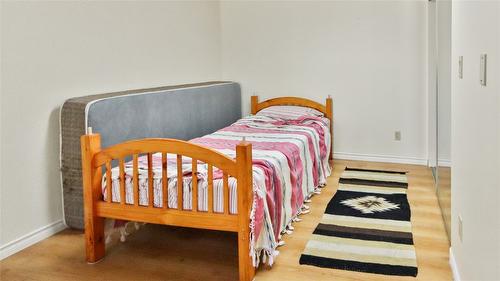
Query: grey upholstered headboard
[[181, 112]]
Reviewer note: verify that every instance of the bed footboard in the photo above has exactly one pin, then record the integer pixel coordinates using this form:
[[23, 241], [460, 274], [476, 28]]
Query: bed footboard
[[97, 161]]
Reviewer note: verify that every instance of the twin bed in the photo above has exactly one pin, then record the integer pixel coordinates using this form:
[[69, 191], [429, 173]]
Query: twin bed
[[251, 177]]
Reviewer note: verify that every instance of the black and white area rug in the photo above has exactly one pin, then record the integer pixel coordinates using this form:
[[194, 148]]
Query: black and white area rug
[[366, 226]]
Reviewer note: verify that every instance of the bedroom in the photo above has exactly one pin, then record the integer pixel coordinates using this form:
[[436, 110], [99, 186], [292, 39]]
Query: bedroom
[[405, 79]]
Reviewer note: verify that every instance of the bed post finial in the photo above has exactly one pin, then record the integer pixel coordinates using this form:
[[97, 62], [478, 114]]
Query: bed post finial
[[245, 202], [254, 103], [329, 115], [89, 131], [91, 176]]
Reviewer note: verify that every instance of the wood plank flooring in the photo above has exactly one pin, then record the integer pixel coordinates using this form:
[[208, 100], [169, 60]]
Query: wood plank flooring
[[167, 253]]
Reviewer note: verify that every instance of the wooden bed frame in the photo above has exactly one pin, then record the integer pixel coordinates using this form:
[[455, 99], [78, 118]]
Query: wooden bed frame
[[95, 161]]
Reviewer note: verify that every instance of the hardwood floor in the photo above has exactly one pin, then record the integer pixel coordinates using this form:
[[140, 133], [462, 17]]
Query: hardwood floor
[[167, 253]]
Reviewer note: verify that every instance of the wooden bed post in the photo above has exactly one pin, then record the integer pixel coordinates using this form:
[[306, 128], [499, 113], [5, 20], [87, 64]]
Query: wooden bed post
[[245, 199], [329, 115], [94, 225], [254, 102]]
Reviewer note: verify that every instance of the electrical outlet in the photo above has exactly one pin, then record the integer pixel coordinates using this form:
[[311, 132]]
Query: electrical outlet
[[460, 228], [397, 135]]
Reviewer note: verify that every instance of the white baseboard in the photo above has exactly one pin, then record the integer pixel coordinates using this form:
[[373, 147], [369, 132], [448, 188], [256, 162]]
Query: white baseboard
[[379, 158], [454, 268], [30, 239], [444, 163]]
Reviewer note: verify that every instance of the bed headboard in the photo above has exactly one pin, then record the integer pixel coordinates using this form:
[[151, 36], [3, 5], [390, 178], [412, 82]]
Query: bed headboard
[[326, 109], [180, 112]]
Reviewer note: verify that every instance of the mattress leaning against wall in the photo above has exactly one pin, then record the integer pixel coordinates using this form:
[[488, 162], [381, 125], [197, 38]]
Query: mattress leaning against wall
[[181, 112]]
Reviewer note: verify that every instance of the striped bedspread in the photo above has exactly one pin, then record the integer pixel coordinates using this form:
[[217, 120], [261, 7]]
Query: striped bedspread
[[290, 149]]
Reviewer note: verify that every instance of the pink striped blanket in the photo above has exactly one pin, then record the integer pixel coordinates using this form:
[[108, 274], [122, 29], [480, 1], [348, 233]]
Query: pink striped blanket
[[290, 152]]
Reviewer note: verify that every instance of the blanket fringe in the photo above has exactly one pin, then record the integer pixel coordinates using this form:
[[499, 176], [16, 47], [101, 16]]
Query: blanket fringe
[[253, 253], [268, 255]]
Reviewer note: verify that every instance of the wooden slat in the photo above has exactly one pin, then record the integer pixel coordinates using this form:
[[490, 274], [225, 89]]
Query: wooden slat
[[164, 179], [210, 189], [180, 188], [109, 182], [225, 191], [122, 181], [150, 180], [194, 185], [136, 179], [172, 217]]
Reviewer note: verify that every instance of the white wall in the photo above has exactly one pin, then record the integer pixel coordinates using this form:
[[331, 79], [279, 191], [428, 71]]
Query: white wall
[[369, 55], [1, 131], [476, 140], [52, 51], [444, 82], [431, 84]]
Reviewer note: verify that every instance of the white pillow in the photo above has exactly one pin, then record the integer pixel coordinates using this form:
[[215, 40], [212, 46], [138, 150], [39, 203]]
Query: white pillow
[[289, 111]]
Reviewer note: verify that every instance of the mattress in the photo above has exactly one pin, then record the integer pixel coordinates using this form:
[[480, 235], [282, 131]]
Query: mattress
[[180, 112], [290, 149]]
